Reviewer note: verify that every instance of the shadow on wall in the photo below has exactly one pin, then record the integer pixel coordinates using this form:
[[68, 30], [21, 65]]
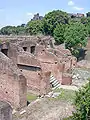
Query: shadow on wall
[[5, 51], [30, 68], [25, 48], [32, 49], [82, 54]]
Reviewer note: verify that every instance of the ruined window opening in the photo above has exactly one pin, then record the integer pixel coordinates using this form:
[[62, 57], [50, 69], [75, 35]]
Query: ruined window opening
[[30, 68], [25, 48], [32, 49], [5, 51]]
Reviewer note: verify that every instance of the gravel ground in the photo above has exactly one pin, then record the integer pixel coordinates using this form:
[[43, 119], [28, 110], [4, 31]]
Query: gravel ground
[[80, 77]]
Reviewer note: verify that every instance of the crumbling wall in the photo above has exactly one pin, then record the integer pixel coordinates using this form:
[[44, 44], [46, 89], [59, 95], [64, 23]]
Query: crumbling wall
[[12, 83], [50, 63], [66, 63], [5, 111], [31, 68], [25, 58], [44, 58], [45, 82], [27, 45], [46, 41], [13, 51]]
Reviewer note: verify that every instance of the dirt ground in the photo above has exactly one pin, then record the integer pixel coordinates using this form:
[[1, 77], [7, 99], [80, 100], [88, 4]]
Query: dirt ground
[[45, 109]]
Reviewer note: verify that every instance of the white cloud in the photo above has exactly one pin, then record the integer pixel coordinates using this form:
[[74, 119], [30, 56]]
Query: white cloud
[[78, 8], [70, 3]]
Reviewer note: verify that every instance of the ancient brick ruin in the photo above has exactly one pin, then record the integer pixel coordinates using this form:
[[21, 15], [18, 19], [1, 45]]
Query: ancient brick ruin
[[12, 83], [5, 111], [27, 62]]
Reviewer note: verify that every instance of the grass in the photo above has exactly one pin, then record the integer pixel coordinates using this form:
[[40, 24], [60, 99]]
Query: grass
[[31, 97], [66, 95], [0, 41], [68, 118]]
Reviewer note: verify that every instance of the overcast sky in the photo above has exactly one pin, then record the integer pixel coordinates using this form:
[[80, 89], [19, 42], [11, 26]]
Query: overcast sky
[[15, 12]]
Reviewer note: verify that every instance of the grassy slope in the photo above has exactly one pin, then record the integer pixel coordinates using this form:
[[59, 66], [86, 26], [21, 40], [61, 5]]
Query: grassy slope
[[66, 95]]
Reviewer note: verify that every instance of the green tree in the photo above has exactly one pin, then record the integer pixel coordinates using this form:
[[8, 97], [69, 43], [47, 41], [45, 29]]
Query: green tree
[[34, 27], [59, 33], [51, 20], [88, 25], [75, 37], [82, 103], [7, 30], [84, 20], [88, 14], [20, 30]]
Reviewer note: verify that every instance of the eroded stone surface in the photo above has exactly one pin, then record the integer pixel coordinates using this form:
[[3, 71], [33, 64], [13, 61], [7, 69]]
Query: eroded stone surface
[[12, 83], [5, 111]]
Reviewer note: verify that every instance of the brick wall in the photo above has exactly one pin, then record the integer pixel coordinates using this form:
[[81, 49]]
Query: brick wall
[[12, 83], [5, 111]]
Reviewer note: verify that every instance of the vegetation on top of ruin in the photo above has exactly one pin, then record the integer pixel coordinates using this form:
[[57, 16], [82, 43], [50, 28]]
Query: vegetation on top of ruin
[[64, 27]]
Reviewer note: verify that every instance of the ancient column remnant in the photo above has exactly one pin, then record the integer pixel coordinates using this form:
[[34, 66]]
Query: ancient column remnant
[[5, 111]]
